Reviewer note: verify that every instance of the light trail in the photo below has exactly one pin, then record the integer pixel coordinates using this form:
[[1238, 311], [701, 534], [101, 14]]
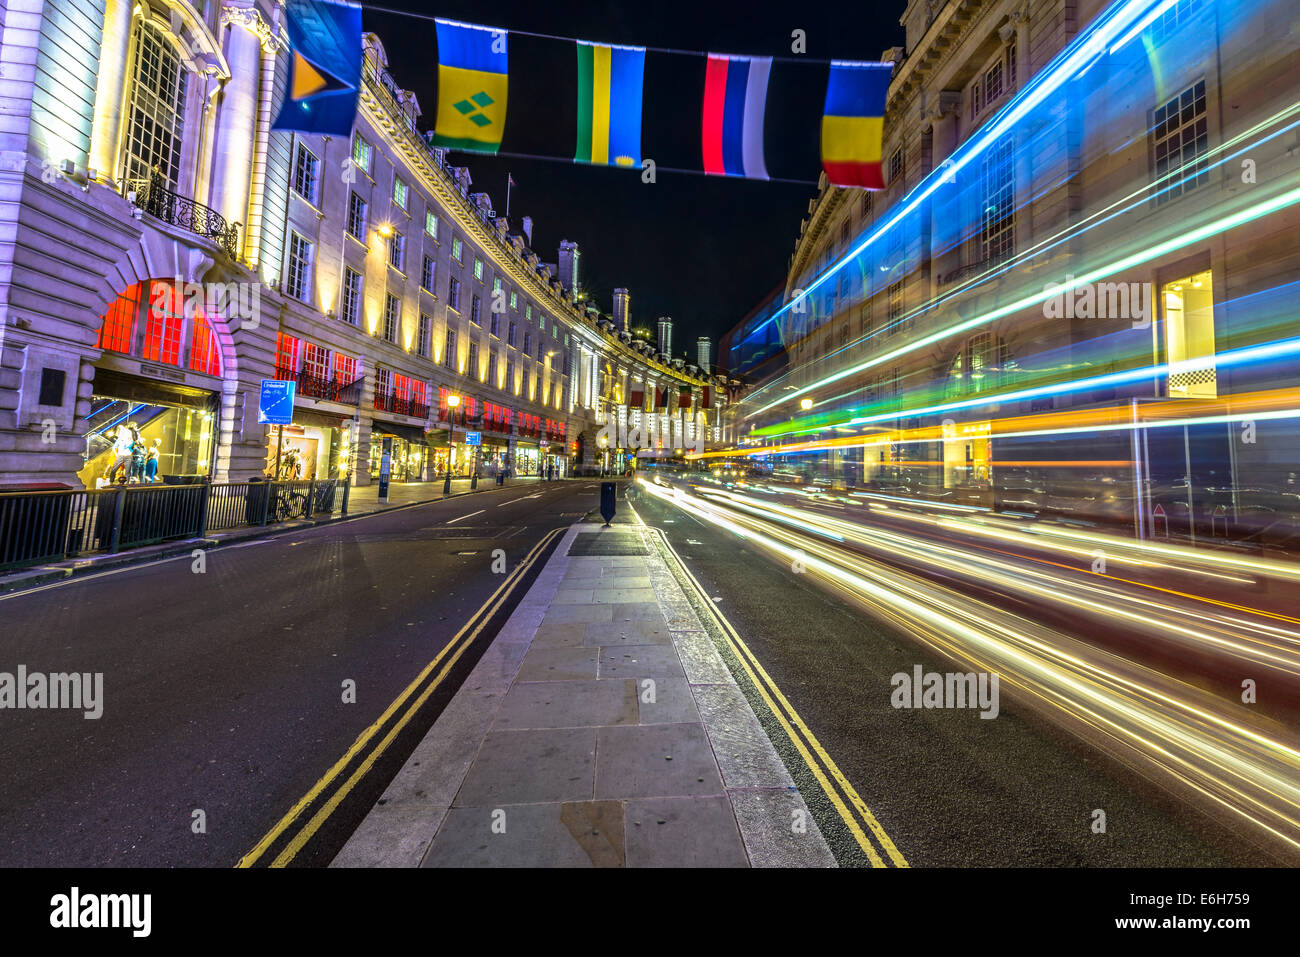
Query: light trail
[[1202, 744]]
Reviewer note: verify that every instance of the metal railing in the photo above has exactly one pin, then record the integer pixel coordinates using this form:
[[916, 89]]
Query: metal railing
[[401, 405], [152, 196], [332, 389], [50, 526]]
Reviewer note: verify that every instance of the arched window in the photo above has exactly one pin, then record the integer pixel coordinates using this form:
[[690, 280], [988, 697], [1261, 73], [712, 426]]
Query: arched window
[[150, 320], [155, 108]]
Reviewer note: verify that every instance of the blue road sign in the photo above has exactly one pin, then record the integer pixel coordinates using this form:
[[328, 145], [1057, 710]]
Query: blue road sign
[[473, 438], [275, 404]]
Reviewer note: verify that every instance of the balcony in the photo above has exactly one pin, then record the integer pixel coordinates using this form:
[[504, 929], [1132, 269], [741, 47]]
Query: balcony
[[331, 389], [401, 405], [152, 197]]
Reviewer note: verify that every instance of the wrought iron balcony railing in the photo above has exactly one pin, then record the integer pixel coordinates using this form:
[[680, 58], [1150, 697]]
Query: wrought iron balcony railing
[[401, 405], [331, 389], [153, 197]]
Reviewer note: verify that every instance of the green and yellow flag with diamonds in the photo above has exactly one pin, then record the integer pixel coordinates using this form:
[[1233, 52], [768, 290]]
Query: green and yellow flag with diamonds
[[473, 73]]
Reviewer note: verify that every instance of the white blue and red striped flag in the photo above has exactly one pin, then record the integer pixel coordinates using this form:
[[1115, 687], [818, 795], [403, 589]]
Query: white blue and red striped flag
[[735, 99]]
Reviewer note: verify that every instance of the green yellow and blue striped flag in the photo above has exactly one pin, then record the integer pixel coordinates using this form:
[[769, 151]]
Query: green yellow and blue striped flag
[[610, 82], [473, 74]]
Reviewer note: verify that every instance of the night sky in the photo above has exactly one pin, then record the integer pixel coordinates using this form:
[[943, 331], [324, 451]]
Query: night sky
[[704, 250]]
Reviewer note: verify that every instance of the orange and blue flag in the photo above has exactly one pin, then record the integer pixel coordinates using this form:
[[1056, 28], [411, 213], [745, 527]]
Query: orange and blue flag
[[853, 123], [473, 76], [324, 68]]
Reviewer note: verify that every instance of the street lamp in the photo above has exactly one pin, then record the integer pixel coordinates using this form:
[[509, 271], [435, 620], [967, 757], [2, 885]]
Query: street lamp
[[805, 404]]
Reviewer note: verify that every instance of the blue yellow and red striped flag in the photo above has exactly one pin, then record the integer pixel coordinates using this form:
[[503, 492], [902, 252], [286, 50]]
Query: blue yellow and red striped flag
[[853, 123], [609, 104], [735, 98], [473, 74]]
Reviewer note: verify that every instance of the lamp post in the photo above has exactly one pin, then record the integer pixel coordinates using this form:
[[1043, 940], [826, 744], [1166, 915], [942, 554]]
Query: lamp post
[[453, 401]]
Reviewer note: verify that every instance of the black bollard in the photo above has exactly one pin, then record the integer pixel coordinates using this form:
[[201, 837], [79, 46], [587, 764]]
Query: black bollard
[[473, 482], [607, 501], [446, 484]]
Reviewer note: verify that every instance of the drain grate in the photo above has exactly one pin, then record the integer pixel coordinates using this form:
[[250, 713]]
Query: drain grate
[[598, 543]]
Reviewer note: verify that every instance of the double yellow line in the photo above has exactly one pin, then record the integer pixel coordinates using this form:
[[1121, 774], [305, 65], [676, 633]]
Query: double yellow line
[[447, 657], [842, 795]]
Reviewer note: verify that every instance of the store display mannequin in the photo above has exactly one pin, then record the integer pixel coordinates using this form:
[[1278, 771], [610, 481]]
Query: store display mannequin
[[122, 441], [151, 463], [138, 455]]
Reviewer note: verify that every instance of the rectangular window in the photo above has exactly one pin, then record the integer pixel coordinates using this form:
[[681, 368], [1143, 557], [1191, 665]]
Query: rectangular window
[[1188, 305], [864, 209], [428, 273], [510, 376], [528, 342], [306, 170], [524, 387], [1009, 55], [476, 310], [844, 233], [316, 361], [895, 306], [118, 332], [496, 287], [392, 317], [453, 293], [357, 217], [510, 337], [401, 193], [514, 300], [345, 368], [1179, 141], [449, 355], [473, 360], [351, 299], [993, 83], [396, 250], [362, 154], [1173, 17], [998, 225], [496, 324], [297, 271], [478, 269], [383, 385], [286, 356], [528, 312], [895, 166], [492, 369], [431, 224], [424, 341], [458, 250], [204, 356]]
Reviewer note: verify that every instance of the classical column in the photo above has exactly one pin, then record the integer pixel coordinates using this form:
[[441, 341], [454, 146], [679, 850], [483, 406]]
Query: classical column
[[941, 117], [233, 150], [110, 86]]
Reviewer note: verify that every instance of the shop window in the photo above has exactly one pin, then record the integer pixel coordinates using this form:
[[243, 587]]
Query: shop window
[[205, 357], [117, 334], [286, 356], [1189, 336]]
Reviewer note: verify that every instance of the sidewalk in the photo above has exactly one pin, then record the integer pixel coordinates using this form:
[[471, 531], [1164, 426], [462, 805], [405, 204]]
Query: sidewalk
[[601, 728], [362, 500]]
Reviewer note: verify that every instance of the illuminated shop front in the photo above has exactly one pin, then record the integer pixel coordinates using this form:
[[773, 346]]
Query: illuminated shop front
[[154, 405], [140, 431], [411, 461], [315, 447]]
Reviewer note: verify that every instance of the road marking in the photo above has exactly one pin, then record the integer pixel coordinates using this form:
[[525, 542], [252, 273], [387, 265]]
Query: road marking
[[482, 616], [804, 741], [453, 521], [512, 501]]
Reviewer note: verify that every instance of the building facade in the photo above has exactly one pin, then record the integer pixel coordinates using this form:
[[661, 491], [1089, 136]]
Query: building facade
[[1137, 162], [166, 251]]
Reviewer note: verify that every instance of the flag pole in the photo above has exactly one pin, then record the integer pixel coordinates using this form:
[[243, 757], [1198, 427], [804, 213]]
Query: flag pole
[[509, 182]]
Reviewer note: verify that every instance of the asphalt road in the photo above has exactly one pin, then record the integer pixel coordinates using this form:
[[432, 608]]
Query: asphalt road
[[949, 788], [224, 690]]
